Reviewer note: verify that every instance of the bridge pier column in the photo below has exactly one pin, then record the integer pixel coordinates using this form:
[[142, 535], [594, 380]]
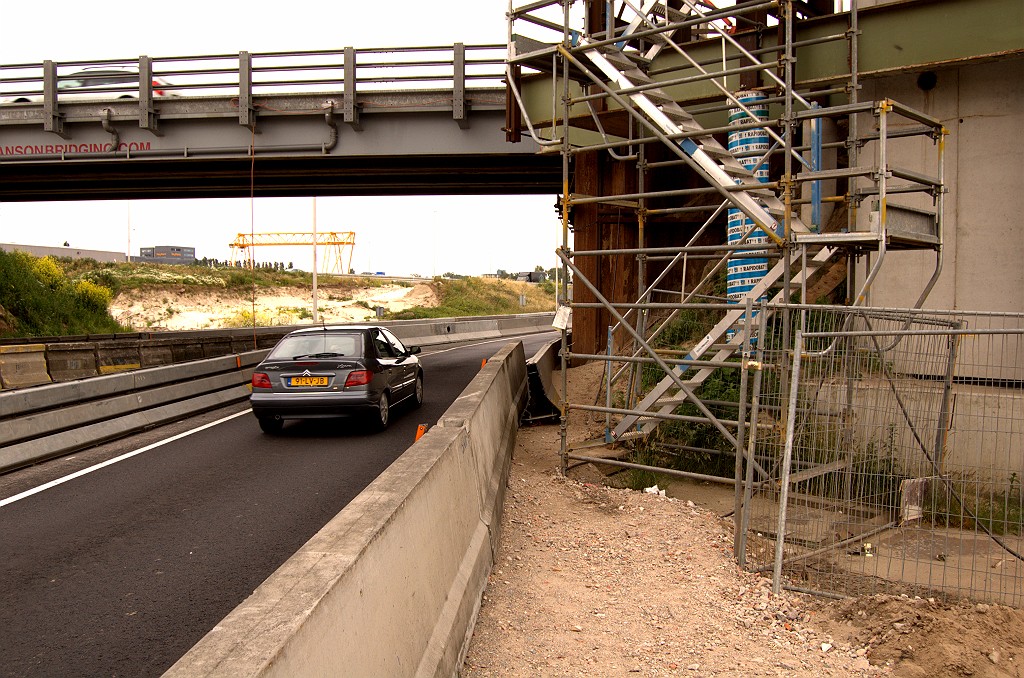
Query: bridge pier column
[[598, 227]]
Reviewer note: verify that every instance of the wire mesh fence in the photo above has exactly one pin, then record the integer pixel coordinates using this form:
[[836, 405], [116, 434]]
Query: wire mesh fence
[[888, 453]]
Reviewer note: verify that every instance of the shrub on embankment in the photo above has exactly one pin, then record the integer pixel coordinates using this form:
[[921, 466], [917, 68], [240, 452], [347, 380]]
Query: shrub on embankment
[[483, 296], [60, 297], [38, 299]]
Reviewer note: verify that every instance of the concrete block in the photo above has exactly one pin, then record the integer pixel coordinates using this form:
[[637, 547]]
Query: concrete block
[[241, 344], [23, 365], [39, 424], [69, 361], [67, 441], [117, 356], [154, 352], [185, 351], [216, 346]]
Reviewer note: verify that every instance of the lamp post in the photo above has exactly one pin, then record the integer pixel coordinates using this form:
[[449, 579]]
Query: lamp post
[[315, 318], [129, 231]]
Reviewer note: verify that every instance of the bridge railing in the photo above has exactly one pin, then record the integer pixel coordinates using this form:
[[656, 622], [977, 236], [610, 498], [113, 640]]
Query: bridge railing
[[456, 67]]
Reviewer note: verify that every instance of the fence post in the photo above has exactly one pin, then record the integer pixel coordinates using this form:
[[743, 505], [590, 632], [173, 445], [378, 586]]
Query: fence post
[[787, 460], [459, 86], [246, 114]]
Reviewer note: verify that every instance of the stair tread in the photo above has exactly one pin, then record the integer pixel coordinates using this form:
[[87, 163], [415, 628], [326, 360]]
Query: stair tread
[[621, 59]]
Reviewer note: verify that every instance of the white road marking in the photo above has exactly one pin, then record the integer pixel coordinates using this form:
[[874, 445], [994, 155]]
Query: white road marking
[[127, 455]]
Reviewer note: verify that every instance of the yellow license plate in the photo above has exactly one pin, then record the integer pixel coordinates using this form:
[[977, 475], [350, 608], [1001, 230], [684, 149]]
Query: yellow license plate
[[308, 381]]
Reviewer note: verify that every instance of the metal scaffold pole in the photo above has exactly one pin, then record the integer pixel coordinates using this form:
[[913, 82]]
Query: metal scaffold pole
[[691, 155]]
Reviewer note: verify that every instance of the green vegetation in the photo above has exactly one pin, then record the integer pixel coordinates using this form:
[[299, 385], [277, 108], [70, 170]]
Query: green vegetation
[[244, 318], [38, 298], [63, 296], [970, 505], [481, 296], [135, 276]]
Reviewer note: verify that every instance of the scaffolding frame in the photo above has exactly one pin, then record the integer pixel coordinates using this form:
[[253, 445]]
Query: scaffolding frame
[[635, 70]]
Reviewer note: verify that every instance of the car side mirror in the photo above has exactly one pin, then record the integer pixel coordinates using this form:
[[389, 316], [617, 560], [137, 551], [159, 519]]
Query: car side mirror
[[412, 350]]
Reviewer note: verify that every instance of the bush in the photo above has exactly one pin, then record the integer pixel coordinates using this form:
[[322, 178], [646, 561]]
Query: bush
[[41, 302], [92, 295], [470, 296], [48, 272]]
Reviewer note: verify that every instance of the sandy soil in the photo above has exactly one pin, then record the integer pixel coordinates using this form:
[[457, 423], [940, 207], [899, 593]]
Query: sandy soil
[[189, 310], [595, 581]]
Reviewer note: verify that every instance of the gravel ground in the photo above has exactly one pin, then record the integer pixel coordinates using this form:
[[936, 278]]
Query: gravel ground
[[596, 581]]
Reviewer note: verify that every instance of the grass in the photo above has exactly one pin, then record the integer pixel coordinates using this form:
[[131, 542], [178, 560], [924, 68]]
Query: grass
[[39, 298], [481, 296], [61, 297], [973, 506], [136, 276]]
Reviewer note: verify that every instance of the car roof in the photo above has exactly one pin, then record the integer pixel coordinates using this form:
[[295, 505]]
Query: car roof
[[111, 69], [97, 70], [334, 328]]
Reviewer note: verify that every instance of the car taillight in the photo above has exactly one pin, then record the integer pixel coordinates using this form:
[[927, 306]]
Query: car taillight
[[358, 378], [260, 380]]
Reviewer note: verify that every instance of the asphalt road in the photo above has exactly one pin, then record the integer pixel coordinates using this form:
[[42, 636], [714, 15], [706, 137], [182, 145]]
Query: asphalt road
[[118, 572]]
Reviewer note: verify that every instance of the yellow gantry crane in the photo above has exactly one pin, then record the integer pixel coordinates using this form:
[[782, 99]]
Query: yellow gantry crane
[[336, 245]]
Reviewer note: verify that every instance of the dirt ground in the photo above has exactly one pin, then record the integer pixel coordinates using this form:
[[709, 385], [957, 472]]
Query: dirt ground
[[194, 310], [596, 581]]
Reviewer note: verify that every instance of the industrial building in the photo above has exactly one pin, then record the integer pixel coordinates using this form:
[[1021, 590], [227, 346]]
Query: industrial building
[[66, 251], [167, 254]]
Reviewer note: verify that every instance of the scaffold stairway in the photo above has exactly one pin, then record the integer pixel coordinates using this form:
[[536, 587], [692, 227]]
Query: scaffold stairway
[[663, 397], [717, 163], [723, 170]]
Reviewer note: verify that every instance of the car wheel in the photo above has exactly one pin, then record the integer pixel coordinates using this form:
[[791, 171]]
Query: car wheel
[[270, 425], [383, 412], [418, 400]]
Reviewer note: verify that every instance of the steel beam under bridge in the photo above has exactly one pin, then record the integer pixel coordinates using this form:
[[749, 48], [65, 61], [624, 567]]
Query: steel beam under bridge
[[202, 153], [297, 135]]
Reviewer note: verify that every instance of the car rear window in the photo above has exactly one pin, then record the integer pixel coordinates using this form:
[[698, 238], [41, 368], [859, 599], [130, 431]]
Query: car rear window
[[309, 345]]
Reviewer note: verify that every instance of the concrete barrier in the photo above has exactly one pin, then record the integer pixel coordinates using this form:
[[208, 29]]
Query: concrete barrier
[[155, 352], [216, 346], [23, 365], [68, 358], [391, 585], [57, 419], [185, 351], [65, 362], [117, 356]]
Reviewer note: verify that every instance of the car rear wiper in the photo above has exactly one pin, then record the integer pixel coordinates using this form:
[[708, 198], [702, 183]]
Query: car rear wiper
[[326, 354]]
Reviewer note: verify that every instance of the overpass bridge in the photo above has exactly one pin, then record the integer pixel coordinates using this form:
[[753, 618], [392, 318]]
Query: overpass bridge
[[390, 121], [642, 89]]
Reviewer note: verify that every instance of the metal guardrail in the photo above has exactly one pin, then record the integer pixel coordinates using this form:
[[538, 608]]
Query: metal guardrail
[[245, 75], [56, 419], [50, 420]]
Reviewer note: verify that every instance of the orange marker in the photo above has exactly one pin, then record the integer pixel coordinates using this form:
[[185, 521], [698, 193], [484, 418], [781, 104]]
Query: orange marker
[[420, 430], [483, 363]]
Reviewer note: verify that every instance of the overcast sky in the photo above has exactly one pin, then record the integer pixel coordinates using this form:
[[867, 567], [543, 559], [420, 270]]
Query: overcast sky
[[469, 235]]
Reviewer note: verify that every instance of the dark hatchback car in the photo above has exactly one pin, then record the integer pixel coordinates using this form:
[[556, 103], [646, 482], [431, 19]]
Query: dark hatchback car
[[335, 371]]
